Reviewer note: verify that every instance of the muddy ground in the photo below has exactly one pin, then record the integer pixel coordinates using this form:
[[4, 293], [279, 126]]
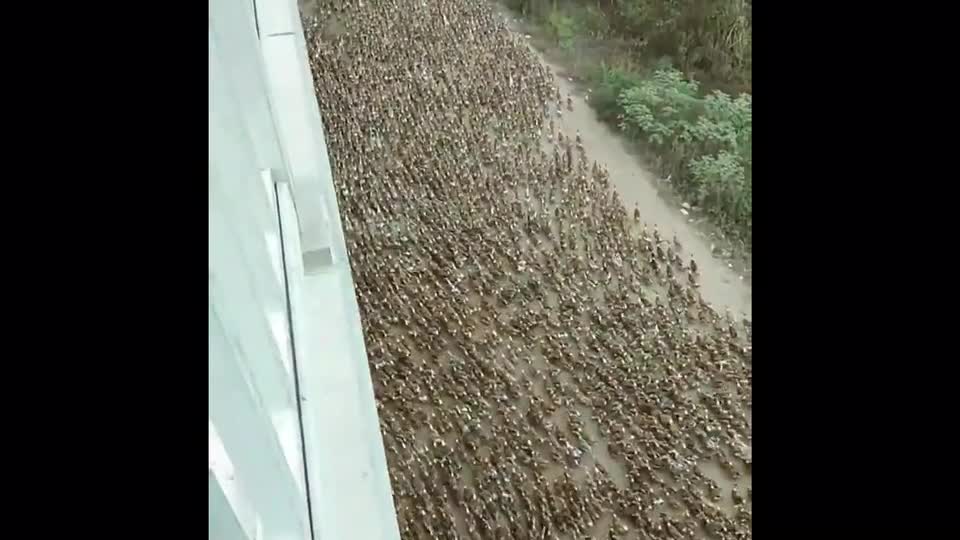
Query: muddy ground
[[443, 369], [720, 284], [636, 181]]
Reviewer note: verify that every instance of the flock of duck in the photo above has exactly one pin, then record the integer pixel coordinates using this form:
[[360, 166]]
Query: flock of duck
[[543, 363]]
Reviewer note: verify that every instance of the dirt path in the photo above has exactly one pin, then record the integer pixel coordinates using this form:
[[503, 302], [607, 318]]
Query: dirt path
[[571, 413], [720, 284]]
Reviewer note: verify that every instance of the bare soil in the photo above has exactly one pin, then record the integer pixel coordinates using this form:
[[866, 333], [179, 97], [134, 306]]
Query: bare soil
[[721, 283]]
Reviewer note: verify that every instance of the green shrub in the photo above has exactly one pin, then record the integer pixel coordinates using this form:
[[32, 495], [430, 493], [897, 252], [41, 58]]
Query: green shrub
[[564, 29], [647, 52], [660, 107], [712, 37], [592, 21], [706, 142], [610, 83]]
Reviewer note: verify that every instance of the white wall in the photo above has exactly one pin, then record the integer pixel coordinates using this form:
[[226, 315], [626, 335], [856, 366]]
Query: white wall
[[265, 128]]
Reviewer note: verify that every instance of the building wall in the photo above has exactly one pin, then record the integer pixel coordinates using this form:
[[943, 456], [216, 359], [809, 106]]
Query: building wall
[[286, 346]]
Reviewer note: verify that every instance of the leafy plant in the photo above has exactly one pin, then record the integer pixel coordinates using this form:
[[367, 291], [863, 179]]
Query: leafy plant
[[611, 82], [564, 29], [712, 38], [708, 141], [658, 107], [675, 75]]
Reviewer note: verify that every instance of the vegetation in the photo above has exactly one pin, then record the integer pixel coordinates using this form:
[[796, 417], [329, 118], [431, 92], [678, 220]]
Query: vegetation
[[666, 73]]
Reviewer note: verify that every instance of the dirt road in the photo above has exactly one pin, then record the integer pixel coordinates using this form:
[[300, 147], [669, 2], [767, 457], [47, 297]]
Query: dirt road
[[465, 376], [720, 284]]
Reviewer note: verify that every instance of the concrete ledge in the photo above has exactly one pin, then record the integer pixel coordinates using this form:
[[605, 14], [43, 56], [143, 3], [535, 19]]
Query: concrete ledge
[[291, 105], [241, 424], [232, 23], [278, 17], [346, 465], [317, 260], [223, 521]]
